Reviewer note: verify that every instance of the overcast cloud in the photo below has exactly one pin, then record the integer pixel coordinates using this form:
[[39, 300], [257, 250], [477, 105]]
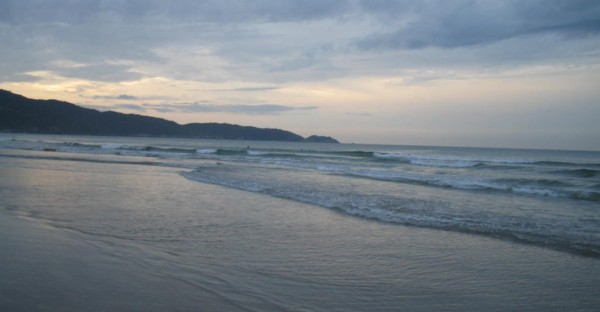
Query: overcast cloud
[[397, 71], [451, 24], [256, 109]]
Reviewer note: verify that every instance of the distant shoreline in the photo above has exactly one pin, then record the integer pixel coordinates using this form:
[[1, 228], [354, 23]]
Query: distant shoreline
[[25, 115]]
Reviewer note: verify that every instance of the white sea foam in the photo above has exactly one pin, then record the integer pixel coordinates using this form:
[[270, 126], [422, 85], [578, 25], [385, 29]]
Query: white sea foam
[[444, 163], [388, 207], [389, 155], [206, 151], [256, 153], [450, 161]]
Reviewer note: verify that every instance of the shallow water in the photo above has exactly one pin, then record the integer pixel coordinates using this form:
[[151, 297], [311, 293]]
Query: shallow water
[[258, 251], [544, 198]]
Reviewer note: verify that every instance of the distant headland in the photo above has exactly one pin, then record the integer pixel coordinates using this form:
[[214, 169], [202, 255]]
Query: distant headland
[[21, 114]]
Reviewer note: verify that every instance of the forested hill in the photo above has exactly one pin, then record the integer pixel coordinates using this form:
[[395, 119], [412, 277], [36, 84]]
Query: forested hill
[[21, 114]]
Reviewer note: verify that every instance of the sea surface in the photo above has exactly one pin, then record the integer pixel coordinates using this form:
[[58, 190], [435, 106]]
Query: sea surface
[[525, 201]]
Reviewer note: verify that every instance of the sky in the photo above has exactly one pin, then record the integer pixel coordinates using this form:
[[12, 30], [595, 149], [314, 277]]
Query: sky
[[496, 73]]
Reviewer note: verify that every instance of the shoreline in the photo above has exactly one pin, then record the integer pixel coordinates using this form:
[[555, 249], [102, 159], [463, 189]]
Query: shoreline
[[129, 237]]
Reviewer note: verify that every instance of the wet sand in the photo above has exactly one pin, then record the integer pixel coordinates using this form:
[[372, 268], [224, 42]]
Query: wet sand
[[48, 269]]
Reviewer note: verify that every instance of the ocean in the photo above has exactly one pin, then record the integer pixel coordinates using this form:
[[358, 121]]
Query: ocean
[[325, 227]]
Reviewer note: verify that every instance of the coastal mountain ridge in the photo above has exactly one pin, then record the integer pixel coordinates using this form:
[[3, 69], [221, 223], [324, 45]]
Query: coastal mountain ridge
[[21, 114]]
